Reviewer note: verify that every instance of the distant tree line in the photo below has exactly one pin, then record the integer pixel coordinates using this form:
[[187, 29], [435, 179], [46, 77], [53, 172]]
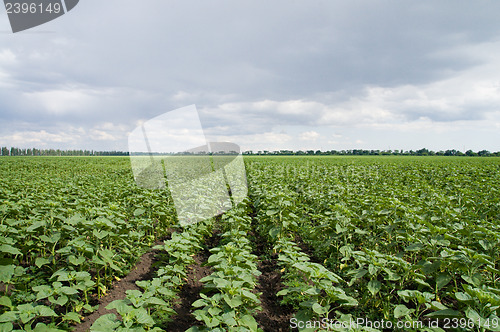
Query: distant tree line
[[57, 152], [356, 152]]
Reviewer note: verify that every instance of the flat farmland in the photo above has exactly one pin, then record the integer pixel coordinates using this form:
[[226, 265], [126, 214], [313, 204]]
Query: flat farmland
[[321, 243]]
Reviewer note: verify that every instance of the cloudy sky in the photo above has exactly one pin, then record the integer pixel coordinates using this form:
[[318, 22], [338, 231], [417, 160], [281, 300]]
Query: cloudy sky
[[271, 75]]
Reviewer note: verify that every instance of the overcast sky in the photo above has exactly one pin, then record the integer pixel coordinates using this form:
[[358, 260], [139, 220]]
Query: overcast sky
[[263, 74]]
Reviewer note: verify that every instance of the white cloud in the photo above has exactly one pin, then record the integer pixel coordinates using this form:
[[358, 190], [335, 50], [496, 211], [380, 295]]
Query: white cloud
[[259, 141], [40, 138], [7, 57], [100, 135], [309, 136], [61, 102], [311, 65]]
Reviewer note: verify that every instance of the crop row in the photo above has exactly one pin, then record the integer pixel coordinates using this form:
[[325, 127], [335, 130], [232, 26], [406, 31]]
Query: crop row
[[313, 290], [415, 242], [228, 302], [145, 309], [391, 239], [68, 229]]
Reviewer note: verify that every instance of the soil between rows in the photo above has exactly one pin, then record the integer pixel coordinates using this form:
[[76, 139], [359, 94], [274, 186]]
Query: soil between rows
[[273, 317], [190, 291], [143, 270]]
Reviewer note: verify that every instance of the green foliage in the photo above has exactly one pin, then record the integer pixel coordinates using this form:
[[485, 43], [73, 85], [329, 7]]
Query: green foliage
[[414, 239], [69, 227], [399, 239], [230, 303]]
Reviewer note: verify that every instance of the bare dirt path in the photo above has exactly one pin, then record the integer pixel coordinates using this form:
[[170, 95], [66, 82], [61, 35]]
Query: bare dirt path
[[142, 271], [274, 317], [190, 291]]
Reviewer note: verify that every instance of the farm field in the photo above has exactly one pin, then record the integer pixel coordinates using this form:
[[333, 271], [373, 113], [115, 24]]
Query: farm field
[[320, 244]]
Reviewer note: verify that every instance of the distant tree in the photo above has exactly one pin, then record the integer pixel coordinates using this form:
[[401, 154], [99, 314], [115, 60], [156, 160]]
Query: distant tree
[[484, 153], [422, 152]]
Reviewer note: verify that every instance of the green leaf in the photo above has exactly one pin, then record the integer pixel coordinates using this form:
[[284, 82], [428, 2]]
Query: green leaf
[[303, 316], [492, 269], [138, 212], [442, 280], [6, 273], [41, 327], [9, 316], [72, 316], [76, 261], [274, 232], [438, 306], [282, 292], [43, 291], [474, 280], [234, 301], [474, 316], [444, 313], [26, 317], [35, 225], [193, 329], [69, 290], [271, 212], [401, 310], [121, 307], [214, 311], [415, 247], [45, 311], [199, 303], [6, 302], [361, 273], [10, 249], [312, 291], [249, 322], [221, 283], [157, 301], [143, 317], [40, 261], [422, 282], [317, 308], [374, 286], [211, 321], [249, 295], [463, 297], [100, 234], [61, 300], [105, 323], [6, 327], [229, 318], [429, 268]]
